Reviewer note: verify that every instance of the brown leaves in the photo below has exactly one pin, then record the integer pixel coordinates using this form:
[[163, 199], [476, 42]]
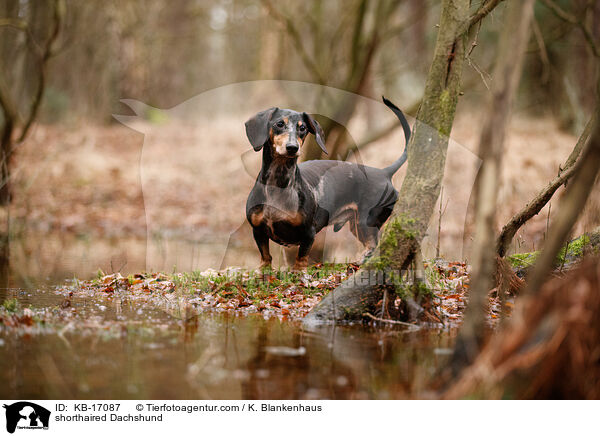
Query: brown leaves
[[276, 293]]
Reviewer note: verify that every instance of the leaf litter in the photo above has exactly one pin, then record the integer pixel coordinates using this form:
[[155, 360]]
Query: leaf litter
[[281, 294]]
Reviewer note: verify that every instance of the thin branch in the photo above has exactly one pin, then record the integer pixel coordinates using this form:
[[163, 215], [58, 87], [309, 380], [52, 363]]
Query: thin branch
[[541, 199], [389, 321], [485, 8], [45, 56], [559, 12], [483, 11], [539, 38], [297, 39], [15, 24], [572, 19], [570, 207], [475, 39]]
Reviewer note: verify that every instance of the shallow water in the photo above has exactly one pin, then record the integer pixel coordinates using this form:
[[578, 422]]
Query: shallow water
[[128, 350]]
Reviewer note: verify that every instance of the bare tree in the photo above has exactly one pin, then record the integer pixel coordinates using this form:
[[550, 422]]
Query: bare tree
[[356, 39], [17, 123]]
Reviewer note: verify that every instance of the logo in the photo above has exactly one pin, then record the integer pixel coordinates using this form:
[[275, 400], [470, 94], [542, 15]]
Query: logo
[[26, 415]]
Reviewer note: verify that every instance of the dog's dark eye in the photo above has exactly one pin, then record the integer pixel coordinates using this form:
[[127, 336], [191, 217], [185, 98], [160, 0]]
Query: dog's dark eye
[[280, 124], [301, 128]]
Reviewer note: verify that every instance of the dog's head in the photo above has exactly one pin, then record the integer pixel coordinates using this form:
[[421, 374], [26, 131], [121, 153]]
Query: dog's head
[[284, 130]]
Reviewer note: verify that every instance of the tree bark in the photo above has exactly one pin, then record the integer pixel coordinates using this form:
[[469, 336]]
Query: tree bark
[[427, 148], [506, 77]]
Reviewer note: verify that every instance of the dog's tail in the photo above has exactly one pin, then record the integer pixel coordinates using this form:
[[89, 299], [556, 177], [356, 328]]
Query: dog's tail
[[398, 163]]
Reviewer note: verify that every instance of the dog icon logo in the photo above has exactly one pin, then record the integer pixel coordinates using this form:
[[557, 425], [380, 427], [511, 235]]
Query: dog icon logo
[[26, 415]]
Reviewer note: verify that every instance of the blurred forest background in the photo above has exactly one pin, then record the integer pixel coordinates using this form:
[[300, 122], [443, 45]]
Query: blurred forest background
[[76, 197]]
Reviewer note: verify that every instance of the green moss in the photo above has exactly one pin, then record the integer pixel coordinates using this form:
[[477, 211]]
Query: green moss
[[399, 227], [11, 305], [447, 107], [574, 249], [251, 284], [523, 260]]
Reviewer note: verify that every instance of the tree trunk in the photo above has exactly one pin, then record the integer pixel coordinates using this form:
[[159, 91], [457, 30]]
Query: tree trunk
[[406, 227], [509, 61]]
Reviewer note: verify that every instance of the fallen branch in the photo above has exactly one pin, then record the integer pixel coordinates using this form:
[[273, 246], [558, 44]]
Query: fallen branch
[[389, 321], [570, 207], [543, 197]]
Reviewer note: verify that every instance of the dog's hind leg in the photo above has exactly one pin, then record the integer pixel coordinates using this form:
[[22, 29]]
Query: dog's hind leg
[[367, 235]]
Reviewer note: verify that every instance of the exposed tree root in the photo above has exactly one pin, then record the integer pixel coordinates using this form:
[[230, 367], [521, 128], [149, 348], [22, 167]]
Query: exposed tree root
[[507, 281]]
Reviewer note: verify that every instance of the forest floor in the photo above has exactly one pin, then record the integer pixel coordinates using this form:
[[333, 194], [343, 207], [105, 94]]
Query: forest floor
[[280, 294], [286, 295]]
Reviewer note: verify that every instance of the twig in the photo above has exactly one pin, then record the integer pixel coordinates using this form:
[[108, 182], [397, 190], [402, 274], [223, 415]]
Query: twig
[[539, 38], [572, 19], [475, 39], [548, 219], [437, 247], [483, 11], [485, 8], [389, 321], [481, 73]]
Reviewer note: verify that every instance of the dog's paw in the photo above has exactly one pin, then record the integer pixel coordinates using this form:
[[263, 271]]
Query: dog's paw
[[264, 268]]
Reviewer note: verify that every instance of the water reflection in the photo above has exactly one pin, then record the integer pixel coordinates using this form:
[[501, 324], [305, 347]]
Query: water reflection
[[144, 352]]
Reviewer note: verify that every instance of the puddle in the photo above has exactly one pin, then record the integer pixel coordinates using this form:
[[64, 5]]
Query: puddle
[[128, 350], [99, 348]]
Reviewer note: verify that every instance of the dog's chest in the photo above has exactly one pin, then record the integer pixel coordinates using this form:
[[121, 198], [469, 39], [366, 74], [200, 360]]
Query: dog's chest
[[281, 205]]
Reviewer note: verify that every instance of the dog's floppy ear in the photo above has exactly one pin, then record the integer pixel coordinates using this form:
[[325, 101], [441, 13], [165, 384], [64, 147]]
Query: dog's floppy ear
[[257, 128], [315, 129]]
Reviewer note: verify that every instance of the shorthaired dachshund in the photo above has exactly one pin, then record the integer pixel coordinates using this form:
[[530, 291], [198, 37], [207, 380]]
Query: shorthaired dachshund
[[290, 202]]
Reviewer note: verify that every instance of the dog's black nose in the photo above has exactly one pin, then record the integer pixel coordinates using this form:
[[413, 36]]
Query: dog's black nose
[[291, 148]]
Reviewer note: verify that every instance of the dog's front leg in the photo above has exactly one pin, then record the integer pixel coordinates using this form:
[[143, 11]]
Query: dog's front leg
[[262, 241], [305, 245]]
